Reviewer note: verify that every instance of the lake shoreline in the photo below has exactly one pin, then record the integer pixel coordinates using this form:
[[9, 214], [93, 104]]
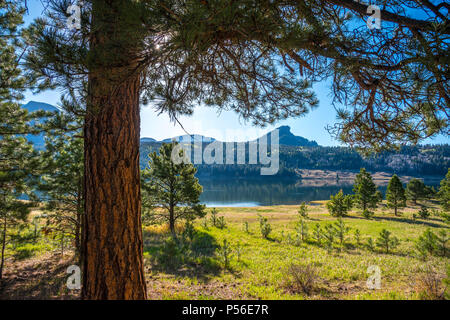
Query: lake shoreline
[[315, 185]]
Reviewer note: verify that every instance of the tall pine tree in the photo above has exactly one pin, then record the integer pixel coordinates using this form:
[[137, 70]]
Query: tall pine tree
[[416, 190], [18, 159], [249, 56], [395, 194], [172, 190], [61, 186], [444, 192], [366, 196], [339, 204]]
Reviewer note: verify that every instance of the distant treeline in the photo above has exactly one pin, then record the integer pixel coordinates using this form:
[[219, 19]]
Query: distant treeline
[[433, 160]]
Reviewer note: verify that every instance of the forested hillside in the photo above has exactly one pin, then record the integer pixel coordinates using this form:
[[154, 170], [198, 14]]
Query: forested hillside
[[300, 153], [410, 160]]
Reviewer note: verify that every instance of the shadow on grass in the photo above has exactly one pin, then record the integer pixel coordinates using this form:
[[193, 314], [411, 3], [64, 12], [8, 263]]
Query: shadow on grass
[[355, 249], [402, 219], [410, 221], [193, 258], [312, 219]]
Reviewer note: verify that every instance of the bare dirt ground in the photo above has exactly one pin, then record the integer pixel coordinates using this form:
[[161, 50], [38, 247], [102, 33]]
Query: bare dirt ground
[[38, 278], [44, 278]]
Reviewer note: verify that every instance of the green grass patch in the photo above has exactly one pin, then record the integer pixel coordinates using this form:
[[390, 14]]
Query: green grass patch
[[257, 268]]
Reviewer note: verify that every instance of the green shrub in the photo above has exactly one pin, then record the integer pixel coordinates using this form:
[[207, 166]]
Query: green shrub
[[426, 243], [370, 244], [169, 254], [205, 223], [341, 230], [435, 213], [214, 217], [302, 230], [431, 244], [225, 253], [220, 222], [246, 229], [339, 204], [26, 251], [444, 192], [445, 216], [317, 233], [446, 284], [329, 237], [289, 239], [358, 237], [441, 242], [264, 226], [189, 231], [238, 250], [303, 210], [386, 241], [424, 213], [367, 214]]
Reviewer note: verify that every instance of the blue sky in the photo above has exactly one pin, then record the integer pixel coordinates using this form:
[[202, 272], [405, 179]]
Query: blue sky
[[227, 125]]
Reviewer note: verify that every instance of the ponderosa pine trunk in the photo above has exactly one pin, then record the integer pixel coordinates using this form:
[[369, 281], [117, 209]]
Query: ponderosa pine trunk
[[79, 223], [2, 262], [112, 235], [113, 253]]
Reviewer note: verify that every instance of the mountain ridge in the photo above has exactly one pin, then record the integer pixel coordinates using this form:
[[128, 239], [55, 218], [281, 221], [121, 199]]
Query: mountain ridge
[[38, 140], [410, 160], [33, 106], [286, 137]]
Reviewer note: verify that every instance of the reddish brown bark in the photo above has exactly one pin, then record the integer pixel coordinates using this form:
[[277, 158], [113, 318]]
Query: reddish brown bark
[[112, 235], [2, 259], [113, 257]]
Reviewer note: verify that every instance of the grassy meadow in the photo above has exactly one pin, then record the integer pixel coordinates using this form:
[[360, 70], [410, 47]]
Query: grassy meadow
[[193, 266], [258, 267]]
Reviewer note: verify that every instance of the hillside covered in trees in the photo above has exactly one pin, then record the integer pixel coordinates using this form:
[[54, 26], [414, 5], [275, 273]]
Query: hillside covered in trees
[[300, 153]]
